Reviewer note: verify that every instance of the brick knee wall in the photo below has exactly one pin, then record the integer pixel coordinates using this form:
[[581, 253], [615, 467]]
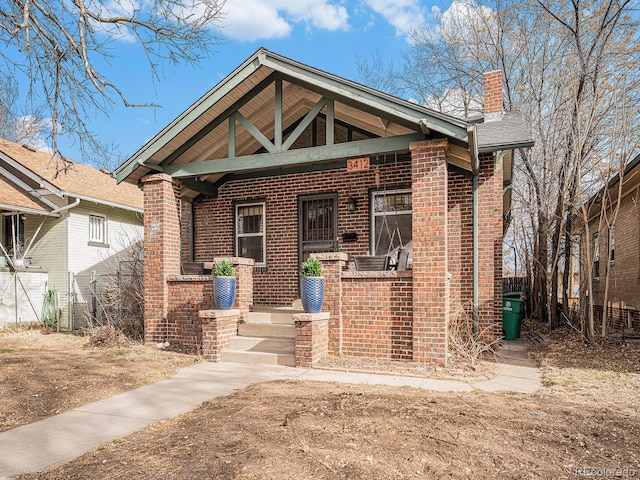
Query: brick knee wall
[[218, 327], [188, 295], [377, 316]]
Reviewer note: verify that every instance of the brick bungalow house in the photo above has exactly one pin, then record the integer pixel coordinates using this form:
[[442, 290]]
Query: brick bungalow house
[[624, 267], [281, 160]]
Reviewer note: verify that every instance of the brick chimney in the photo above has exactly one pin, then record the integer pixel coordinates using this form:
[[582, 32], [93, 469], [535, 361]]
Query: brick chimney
[[493, 105]]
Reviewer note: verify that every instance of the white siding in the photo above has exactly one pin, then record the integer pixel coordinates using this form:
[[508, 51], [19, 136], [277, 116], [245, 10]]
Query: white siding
[[86, 257]]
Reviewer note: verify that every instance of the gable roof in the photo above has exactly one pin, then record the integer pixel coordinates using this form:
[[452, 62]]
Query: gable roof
[[35, 173], [200, 135]]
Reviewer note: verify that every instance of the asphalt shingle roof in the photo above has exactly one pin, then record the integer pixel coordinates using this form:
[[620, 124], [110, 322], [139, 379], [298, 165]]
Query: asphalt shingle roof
[[79, 179]]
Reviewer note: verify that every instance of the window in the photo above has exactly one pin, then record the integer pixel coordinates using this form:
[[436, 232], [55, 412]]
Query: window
[[250, 232], [596, 256], [613, 245], [391, 221], [97, 230], [14, 228]]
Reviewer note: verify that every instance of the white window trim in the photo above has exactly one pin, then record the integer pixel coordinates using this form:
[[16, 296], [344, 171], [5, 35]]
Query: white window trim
[[373, 215], [97, 241], [246, 235]]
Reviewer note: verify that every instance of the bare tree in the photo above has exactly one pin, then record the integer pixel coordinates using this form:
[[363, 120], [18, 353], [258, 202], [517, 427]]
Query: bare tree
[[64, 49], [377, 73], [563, 63]]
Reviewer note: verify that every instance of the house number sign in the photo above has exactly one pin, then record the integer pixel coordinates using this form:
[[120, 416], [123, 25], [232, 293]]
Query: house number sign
[[358, 164]]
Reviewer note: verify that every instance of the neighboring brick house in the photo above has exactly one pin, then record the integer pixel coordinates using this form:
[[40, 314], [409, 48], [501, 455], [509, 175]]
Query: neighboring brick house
[[73, 223], [281, 160], [624, 267]]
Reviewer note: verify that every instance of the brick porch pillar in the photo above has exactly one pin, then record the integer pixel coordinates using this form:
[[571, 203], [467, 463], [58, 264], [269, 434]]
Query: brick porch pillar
[[429, 229], [333, 264], [490, 246], [312, 337], [161, 250]]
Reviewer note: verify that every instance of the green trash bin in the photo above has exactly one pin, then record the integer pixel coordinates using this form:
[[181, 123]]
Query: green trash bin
[[511, 303]]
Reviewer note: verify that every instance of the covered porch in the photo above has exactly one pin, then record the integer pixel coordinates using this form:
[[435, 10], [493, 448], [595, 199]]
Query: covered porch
[[281, 161]]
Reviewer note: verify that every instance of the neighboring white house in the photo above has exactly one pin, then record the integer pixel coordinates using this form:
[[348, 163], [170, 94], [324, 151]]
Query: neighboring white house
[[72, 224]]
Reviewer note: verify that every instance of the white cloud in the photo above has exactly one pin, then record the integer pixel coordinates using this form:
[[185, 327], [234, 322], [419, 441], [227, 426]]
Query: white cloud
[[463, 20], [250, 20], [403, 15]]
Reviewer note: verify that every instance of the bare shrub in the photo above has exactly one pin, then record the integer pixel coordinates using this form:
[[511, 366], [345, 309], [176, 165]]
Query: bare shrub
[[108, 337], [117, 297], [464, 345]]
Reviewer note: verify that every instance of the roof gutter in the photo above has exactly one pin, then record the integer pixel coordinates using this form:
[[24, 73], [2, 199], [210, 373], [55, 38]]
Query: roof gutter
[[505, 146], [105, 202], [29, 211], [67, 207]]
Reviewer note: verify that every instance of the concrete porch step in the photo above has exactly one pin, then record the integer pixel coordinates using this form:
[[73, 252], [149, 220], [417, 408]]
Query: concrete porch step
[[264, 358], [285, 345], [277, 315], [266, 330]]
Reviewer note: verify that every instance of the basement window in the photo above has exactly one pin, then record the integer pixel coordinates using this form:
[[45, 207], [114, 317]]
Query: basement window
[[250, 232], [98, 231]]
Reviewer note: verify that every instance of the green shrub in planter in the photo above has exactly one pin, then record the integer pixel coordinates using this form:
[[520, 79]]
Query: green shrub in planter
[[311, 268], [224, 269]]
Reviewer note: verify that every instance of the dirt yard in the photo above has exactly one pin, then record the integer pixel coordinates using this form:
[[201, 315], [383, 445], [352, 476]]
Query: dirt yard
[[46, 374], [585, 422]]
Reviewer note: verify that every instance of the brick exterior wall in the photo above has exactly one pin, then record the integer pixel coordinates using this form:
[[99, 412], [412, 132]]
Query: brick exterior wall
[[430, 254], [460, 240], [161, 252], [277, 283], [624, 271], [490, 246]]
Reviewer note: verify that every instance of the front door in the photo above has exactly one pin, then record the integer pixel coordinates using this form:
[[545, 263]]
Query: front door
[[317, 225]]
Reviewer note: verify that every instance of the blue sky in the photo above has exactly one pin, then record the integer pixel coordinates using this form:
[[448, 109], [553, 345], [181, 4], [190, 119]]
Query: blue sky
[[326, 34]]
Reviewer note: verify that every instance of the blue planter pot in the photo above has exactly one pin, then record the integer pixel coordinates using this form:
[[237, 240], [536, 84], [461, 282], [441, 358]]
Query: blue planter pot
[[224, 292], [312, 293]]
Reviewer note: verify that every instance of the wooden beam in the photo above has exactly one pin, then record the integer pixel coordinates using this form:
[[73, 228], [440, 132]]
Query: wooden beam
[[204, 188], [255, 133], [459, 157], [208, 128], [297, 157], [304, 123], [330, 123], [277, 132]]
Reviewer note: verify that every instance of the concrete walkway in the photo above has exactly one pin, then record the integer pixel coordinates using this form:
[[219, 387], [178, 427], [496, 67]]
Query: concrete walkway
[[59, 439]]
